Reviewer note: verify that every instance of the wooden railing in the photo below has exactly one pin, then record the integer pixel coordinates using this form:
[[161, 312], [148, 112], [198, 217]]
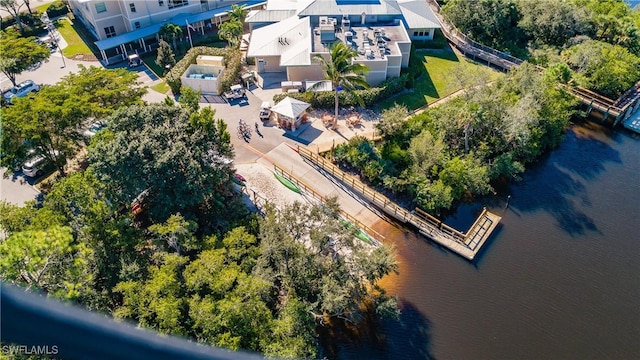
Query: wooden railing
[[419, 218], [608, 107], [377, 237]]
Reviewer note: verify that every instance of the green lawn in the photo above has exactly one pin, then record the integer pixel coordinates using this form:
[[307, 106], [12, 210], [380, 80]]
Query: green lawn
[[162, 87], [41, 8], [76, 45], [438, 69], [150, 60]]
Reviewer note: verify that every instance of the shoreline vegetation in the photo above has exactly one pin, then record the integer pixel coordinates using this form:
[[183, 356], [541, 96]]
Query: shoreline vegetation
[[154, 229], [488, 134]]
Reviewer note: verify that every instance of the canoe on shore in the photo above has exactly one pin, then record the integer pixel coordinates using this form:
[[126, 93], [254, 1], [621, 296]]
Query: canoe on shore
[[286, 182]]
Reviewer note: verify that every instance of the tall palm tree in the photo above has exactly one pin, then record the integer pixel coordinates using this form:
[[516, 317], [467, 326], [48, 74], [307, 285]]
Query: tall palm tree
[[231, 31], [343, 73], [238, 12], [170, 31]]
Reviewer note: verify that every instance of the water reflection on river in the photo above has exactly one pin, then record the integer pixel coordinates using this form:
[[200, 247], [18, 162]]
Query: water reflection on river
[[559, 279]]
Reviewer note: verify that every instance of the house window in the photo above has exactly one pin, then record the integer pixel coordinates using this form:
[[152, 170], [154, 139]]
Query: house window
[[415, 33], [132, 6], [101, 7], [110, 31], [160, 2], [137, 24], [176, 3]]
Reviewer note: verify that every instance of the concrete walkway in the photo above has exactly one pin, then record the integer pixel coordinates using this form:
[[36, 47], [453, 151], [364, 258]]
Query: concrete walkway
[[286, 158]]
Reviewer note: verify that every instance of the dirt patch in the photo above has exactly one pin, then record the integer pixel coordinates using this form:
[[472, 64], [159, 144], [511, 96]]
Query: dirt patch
[[85, 57], [263, 182]]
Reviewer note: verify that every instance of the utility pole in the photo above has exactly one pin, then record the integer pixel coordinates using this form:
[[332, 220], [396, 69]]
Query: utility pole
[[51, 29]]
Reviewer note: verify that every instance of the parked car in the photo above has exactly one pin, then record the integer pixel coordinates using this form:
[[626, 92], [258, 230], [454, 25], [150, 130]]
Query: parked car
[[21, 90], [94, 128], [134, 60], [37, 166], [236, 92], [265, 111]]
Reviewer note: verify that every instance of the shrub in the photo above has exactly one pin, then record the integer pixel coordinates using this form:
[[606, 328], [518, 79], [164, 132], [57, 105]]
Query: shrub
[[371, 96], [232, 60], [57, 8]]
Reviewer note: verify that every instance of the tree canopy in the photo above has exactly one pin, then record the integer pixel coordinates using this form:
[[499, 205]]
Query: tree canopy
[[18, 54], [50, 122], [454, 151], [231, 31], [165, 57], [170, 31], [608, 31], [184, 168], [605, 68], [106, 89], [45, 259]]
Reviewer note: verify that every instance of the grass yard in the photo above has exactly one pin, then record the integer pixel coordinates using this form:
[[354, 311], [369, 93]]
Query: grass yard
[[150, 60], [162, 87], [41, 8], [76, 44], [438, 67]]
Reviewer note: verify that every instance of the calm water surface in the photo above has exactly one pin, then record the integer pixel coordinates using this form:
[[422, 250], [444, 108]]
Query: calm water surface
[[560, 279]]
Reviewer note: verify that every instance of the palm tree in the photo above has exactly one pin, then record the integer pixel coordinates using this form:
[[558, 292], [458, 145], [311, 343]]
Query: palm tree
[[343, 73], [231, 31], [238, 12], [171, 31]]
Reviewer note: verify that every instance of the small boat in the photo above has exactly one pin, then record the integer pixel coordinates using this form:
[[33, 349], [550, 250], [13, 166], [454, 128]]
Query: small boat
[[364, 237], [286, 182], [360, 234]]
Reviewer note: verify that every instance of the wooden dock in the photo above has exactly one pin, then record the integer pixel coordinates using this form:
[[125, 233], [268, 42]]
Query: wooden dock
[[466, 244]]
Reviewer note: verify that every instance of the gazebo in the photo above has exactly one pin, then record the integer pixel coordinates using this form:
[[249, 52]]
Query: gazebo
[[289, 112]]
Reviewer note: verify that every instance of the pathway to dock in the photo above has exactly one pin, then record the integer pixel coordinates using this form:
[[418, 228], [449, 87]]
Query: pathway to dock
[[466, 244]]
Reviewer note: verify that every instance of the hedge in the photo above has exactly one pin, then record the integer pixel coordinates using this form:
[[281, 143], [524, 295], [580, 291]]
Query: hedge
[[57, 8], [371, 96], [232, 60]]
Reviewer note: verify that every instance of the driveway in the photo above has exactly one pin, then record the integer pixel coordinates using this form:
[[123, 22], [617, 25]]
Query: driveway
[[249, 150], [16, 189]]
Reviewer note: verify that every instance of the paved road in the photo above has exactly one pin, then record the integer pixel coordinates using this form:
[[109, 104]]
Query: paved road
[[250, 150], [16, 189]]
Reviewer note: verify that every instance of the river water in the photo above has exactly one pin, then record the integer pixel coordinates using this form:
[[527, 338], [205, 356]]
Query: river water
[[559, 279]]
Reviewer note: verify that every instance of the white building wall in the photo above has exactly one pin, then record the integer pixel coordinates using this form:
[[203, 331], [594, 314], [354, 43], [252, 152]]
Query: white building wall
[[421, 34], [148, 12]]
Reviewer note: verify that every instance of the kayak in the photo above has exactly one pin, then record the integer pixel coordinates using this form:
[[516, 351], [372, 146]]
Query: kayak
[[364, 237], [286, 182], [360, 234]]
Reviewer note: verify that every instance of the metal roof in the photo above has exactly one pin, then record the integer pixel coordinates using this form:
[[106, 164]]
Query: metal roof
[[180, 20], [331, 7], [269, 16], [290, 107], [290, 39], [418, 15]]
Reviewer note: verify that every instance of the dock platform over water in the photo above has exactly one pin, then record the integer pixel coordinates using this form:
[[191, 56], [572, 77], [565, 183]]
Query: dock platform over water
[[466, 244]]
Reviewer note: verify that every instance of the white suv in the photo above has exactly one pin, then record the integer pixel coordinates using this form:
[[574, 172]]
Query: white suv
[[33, 167], [21, 90], [38, 165]]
